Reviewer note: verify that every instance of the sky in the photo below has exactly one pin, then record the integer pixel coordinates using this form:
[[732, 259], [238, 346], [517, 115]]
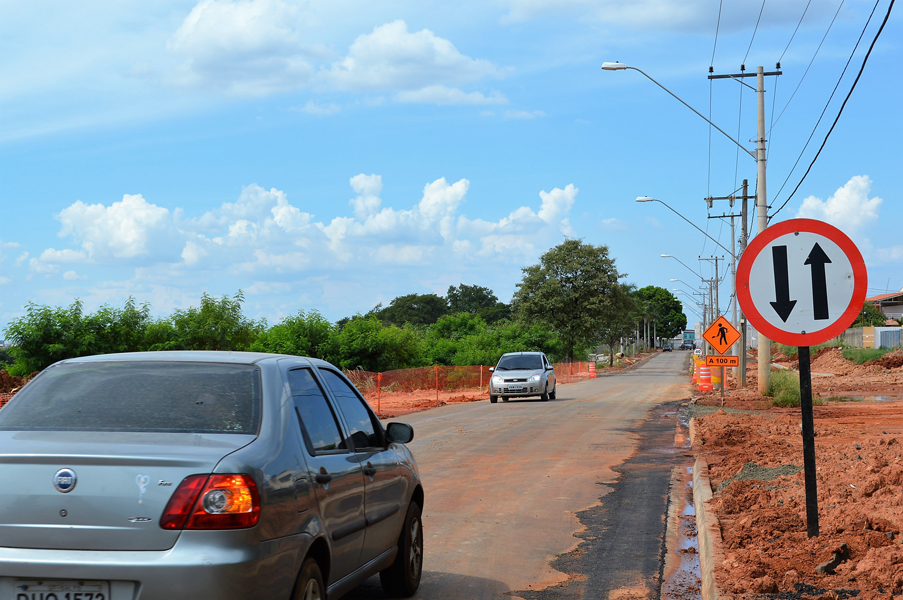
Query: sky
[[333, 155]]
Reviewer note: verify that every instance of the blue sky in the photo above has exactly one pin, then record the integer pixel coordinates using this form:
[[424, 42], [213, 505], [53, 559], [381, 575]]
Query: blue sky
[[332, 155]]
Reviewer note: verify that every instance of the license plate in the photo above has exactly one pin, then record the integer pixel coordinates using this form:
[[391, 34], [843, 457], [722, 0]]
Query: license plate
[[57, 589], [515, 388]]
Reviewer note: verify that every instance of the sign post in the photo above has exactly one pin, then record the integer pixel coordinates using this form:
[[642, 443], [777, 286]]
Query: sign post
[[721, 335], [802, 282]]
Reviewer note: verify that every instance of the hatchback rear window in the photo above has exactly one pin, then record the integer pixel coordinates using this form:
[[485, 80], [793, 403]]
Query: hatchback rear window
[[139, 396]]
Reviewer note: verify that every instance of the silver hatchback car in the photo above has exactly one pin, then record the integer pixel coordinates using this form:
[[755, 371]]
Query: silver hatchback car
[[168, 475], [522, 374]]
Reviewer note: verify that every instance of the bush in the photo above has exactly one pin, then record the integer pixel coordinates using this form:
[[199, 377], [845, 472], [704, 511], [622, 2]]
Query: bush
[[785, 389], [862, 355]]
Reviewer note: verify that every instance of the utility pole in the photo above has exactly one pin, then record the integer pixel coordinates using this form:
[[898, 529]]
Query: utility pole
[[740, 323], [764, 364], [717, 372]]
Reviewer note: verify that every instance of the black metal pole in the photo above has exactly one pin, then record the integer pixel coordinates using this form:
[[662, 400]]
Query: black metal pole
[[808, 442]]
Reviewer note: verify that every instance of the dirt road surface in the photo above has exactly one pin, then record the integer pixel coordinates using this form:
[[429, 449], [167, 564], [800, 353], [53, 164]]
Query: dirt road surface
[[505, 482]]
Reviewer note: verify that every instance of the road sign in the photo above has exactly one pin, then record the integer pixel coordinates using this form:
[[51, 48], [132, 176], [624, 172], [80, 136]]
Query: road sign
[[721, 335], [722, 361], [801, 282]]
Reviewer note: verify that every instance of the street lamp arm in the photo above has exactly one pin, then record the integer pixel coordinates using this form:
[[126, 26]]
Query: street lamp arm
[[648, 199], [745, 149], [683, 263]]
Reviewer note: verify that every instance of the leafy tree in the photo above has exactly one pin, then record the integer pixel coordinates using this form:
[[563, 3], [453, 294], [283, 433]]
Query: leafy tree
[[46, 335], [870, 316], [619, 319], [570, 291], [218, 324], [304, 334], [476, 300], [416, 309], [365, 343], [664, 310]]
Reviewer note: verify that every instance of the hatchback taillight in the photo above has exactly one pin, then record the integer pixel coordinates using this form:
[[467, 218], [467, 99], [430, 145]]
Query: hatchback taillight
[[213, 502]]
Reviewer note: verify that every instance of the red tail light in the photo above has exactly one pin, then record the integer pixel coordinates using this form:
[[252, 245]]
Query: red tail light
[[213, 502]]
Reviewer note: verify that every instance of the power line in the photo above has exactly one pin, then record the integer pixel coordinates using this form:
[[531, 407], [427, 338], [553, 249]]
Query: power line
[[795, 30], [842, 106], [717, 27], [808, 67], [831, 97], [761, 10]]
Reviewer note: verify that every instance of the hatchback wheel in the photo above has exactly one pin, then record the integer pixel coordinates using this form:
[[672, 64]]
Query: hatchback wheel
[[310, 582], [403, 577], [493, 399], [545, 394], [553, 393]]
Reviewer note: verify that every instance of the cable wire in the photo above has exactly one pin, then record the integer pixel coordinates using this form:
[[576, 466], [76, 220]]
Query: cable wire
[[795, 30], [831, 97], [717, 28], [761, 10], [842, 106], [806, 72]]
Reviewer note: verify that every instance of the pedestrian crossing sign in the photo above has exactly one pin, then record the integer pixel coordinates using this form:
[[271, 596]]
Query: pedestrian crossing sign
[[721, 335]]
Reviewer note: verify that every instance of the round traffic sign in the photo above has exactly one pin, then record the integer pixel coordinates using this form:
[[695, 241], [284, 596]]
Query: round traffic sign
[[801, 282]]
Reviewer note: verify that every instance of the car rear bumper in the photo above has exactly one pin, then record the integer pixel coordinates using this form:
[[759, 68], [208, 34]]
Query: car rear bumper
[[193, 568]]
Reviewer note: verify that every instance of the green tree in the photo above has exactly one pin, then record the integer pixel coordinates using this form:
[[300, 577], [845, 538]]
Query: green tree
[[476, 300], [416, 309], [619, 320], [869, 316], [365, 343], [664, 310], [218, 324], [304, 334], [570, 291]]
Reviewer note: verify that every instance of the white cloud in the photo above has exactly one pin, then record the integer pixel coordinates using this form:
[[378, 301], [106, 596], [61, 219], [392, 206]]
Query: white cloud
[[72, 276], [849, 209], [21, 260], [319, 110], [442, 95], [63, 256], [392, 58], [243, 47], [524, 114], [614, 225], [130, 228], [369, 187], [5, 280]]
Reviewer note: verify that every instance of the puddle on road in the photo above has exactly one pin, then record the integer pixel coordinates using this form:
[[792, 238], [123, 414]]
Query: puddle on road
[[682, 580], [847, 397]]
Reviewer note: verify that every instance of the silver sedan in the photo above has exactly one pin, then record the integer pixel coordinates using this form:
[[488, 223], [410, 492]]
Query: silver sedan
[[166, 475], [522, 374]]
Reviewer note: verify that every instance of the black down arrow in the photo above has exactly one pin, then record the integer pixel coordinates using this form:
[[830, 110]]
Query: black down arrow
[[783, 304], [818, 259]]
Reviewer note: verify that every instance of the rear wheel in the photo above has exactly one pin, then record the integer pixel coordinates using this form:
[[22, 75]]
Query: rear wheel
[[403, 577], [553, 393], [310, 582], [493, 399], [545, 395]]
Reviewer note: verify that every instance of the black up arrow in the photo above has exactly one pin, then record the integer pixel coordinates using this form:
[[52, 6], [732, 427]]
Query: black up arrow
[[818, 259], [783, 305]]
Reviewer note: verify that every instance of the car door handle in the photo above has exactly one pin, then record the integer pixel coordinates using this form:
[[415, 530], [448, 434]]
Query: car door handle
[[323, 477], [369, 470]]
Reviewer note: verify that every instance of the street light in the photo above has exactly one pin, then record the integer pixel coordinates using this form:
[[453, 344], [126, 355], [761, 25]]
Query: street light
[[648, 199], [684, 282], [684, 264], [616, 66]]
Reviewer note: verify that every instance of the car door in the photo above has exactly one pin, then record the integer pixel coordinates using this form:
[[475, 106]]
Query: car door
[[384, 483], [550, 373], [335, 470]]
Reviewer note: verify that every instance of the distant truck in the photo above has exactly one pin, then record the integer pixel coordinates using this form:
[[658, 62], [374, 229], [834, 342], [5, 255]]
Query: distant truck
[[687, 345]]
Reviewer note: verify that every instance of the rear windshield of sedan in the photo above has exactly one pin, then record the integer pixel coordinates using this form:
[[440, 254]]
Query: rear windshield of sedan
[[511, 363], [139, 396]]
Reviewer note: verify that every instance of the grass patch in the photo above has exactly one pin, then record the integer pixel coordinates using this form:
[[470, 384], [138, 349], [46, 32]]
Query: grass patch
[[784, 389], [861, 355]]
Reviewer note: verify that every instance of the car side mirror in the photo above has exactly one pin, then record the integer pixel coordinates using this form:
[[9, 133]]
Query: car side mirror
[[491, 369], [399, 432]]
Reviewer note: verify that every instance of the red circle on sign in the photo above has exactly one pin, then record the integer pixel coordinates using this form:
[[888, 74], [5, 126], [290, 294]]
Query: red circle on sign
[[782, 336]]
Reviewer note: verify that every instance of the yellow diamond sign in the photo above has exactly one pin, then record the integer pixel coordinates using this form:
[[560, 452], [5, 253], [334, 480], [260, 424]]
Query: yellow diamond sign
[[721, 335]]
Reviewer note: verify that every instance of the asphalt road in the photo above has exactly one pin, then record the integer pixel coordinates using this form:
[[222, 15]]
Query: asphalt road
[[513, 488]]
